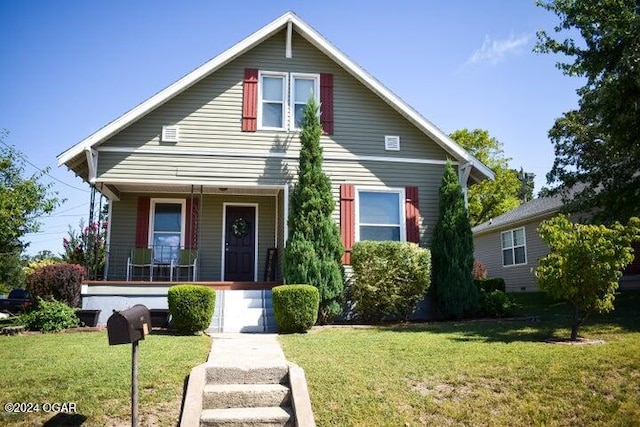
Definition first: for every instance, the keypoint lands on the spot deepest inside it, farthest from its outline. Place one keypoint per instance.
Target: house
(199, 174)
(509, 245)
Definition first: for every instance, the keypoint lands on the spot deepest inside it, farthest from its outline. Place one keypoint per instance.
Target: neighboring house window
(166, 228)
(303, 86)
(380, 215)
(514, 249)
(282, 98)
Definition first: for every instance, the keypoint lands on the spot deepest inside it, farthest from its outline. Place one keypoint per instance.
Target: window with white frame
(283, 97)
(514, 247)
(303, 86)
(166, 229)
(380, 215)
(272, 106)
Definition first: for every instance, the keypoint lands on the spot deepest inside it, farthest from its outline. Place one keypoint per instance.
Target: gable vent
(169, 133)
(392, 143)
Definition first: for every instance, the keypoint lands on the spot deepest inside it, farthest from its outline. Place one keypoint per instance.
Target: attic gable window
(303, 86)
(282, 98)
(272, 93)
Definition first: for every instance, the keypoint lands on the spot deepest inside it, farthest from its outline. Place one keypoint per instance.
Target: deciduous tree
(22, 200)
(585, 264)
(314, 249)
(488, 199)
(597, 144)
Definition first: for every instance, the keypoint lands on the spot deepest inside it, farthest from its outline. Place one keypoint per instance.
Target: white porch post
(463, 177)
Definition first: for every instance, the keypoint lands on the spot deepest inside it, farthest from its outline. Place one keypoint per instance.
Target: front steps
(244, 311)
(247, 382)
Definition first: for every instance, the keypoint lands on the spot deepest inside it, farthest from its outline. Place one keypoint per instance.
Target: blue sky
(69, 68)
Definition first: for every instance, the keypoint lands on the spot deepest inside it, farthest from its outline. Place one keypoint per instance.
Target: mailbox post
(130, 326)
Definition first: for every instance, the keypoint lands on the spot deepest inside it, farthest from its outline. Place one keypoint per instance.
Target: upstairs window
(282, 98)
(303, 86)
(514, 248)
(272, 100)
(380, 215)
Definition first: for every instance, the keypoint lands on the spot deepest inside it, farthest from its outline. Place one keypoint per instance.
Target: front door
(239, 243)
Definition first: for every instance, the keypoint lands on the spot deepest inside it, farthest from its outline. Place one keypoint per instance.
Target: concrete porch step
(275, 374)
(218, 396)
(254, 417)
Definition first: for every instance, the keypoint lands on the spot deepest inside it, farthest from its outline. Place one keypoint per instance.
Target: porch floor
(220, 285)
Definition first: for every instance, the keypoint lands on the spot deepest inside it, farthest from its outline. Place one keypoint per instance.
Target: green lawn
(82, 368)
(498, 373)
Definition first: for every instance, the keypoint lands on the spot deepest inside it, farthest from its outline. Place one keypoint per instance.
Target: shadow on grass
(65, 420)
(538, 318)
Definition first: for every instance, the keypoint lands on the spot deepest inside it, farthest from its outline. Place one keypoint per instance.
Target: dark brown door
(239, 257)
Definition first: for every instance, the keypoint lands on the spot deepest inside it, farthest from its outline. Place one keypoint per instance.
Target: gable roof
(528, 211)
(479, 171)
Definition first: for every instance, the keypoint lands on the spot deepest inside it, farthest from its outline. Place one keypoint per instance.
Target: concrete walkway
(247, 382)
(246, 350)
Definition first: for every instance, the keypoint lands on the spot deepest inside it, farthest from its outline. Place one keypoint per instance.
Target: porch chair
(141, 258)
(187, 258)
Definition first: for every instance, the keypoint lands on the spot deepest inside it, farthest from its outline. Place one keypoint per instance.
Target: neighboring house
(200, 173)
(509, 245)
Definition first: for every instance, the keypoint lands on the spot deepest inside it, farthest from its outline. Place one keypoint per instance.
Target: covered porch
(213, 235)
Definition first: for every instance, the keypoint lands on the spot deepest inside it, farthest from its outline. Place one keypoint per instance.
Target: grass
(498, 373)
(82, 368)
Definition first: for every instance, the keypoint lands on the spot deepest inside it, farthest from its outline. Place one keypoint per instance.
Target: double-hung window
(166, 229)
(272, 100)
(303, 86)
(282, 98)
(514, 247)
(380, 215)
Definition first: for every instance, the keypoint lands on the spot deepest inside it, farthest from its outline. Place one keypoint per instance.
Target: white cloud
(494, 51)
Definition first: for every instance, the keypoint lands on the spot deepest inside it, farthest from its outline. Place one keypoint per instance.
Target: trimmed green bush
(50, 316)
(491, 284)
(191, 307)
(389, 279)
(496, 303)
(60, 282)
(295, 307)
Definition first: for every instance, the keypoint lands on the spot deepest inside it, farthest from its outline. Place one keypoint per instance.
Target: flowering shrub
(86, 248)
(479, 270)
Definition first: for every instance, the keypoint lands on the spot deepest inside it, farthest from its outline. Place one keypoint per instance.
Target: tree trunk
(576, 324)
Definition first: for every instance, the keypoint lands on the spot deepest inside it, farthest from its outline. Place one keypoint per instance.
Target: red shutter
(142, 222)
(413, 214)
(191, 232)
(250, 100)
(326, 103)
(347, 219)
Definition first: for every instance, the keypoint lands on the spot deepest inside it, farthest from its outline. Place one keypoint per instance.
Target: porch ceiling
(182, 189)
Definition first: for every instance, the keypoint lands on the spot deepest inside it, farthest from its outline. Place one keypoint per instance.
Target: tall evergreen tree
(314, 249)
(452, 252)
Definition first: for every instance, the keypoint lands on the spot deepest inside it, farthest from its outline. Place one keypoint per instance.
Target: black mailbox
(128, 326)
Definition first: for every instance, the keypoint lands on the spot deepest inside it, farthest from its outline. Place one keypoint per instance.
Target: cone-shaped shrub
(191, 307)
(295, 307)
(452, 252)
(314, 250)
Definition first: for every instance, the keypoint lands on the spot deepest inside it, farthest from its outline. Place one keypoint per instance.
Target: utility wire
(26, 159)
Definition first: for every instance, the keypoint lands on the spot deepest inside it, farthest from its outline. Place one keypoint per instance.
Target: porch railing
(155, 263)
